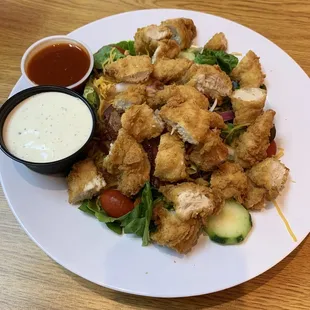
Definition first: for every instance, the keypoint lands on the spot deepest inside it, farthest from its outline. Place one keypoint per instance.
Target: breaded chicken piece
(128, 160)
(171, 70)
(131, 69)
(217, 43)
(255, 197)
(251, 146)
(187, 118)
(248, 104)
(216, 120)
(183, 30)
(231, 181)
(84, 181)
(186, 92)
(147, 38)
(192, 200)
(174, 233)
(142, 123)
(132, 95)
(271, 175)
(210, 154)
(170, 160)
(248, 72)
(210, 80)
(166, 49)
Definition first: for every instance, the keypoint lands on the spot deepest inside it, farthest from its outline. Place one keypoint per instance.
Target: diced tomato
(114, 203)
(272, 149)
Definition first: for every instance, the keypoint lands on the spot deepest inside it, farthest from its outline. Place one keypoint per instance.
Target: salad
(183, 145)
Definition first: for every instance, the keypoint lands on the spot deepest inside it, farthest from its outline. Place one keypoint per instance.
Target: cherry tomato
(272, 149)
(114, 203)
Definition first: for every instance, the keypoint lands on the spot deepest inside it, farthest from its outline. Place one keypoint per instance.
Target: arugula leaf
(103, 217)
(127, 46)
(102, 57)
(209, 57)
(91, 95)
(84, 207)
(116, 227)
(147, 199)
(232, 132)
(136, 221)
(93, 205)
(136, 226)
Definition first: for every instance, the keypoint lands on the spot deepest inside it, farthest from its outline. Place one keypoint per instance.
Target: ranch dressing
(47, 127)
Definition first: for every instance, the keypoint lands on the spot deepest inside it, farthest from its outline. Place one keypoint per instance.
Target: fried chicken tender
(249, 72)
(131, 69)
(187, 118)
(251, 146)
(217, 43)
(174, 233)
(209, 80)
(170, 160)
(166, 49)
(183, 30)
(133, 95)
(128, 160)
(248, 104)
(142, 123)
(187, 92)
(255, 197)
(192, 200)
(271, 175)
(231, 181)
(84, 181)
(211, 153)
(171, 70)
(147, 38)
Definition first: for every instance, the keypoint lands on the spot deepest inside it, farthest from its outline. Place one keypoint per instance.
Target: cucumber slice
(231, 226)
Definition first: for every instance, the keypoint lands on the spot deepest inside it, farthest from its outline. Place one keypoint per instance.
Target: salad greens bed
(136, 221)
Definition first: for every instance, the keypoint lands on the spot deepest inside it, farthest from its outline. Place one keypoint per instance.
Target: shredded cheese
(104, 87)
(236, 54)
(280, 153)
(288, 227)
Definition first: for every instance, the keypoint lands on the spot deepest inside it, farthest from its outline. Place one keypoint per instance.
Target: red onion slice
(227, 115)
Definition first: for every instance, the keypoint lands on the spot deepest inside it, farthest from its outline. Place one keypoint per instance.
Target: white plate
(87, 248)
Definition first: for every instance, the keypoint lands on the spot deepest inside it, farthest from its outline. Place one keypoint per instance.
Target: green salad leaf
(103, 56)
(205, 58)
(136, 221)
(226, 61)
(84, 207)
(127, 46)
(232, 132)
(116, 227)
(91, 95)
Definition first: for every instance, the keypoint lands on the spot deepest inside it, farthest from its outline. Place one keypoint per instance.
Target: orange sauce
(60, 64)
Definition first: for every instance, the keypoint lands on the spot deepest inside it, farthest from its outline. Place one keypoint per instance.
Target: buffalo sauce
(60, 64)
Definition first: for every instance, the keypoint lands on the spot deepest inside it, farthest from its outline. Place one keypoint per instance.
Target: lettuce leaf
(127, 46)
(227, 62)
(136, 221)
(91, 95)
(104, 54)
(232, 132)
